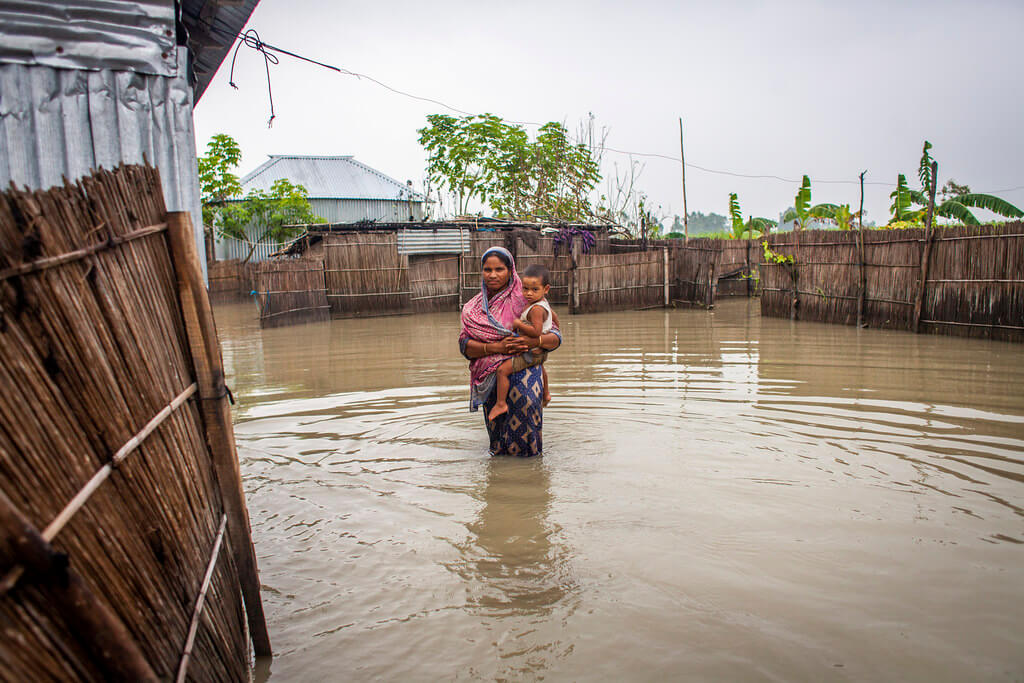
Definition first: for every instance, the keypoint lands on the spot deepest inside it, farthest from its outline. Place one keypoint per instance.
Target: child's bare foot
(497, 411)
(547, 399)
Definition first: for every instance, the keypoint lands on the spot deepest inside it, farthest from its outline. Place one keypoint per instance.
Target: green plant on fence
(775, 257)
(749, 229)
(911, 206)
(802, 213)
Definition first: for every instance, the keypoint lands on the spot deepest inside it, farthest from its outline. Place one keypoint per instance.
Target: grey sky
(785, 88)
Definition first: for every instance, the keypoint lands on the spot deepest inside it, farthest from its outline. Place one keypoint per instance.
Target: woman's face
(496, 274)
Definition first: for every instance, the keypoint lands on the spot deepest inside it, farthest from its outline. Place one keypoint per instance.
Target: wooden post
(927, 251)
(220, 436)
(462, 257)
(860, 257)
(107, 640)
(574, 289)
(665, 255)
(710, 299)
(682, 166)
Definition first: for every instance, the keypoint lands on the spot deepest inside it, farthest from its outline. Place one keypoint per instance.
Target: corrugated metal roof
(329, 177)
(85, 34)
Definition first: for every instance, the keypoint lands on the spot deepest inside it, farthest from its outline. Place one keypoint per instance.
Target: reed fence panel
(291, 291)
(231, 281)
(435, 282)
(103, 446)
(366, 275)
(608, 282)
(974, 287)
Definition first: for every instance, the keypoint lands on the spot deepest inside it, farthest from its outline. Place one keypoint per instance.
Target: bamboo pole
(90, 619)
(682, 166)
(209, 367)
(574, 289)
(665, 254)
(927, 251)
(860, 257)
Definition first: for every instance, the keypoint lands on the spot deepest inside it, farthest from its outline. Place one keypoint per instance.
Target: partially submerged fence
(125, 551)
(965, 281)
(972, 288)
(231, 280)
(291, 292)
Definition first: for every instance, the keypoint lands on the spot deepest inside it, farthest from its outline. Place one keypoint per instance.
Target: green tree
(482, 157)
(956, 204)
(217, 182)
(273, 215)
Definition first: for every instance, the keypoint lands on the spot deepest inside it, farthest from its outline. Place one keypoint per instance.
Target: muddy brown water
(721, 496)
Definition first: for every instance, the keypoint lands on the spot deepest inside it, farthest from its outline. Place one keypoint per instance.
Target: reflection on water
(723, 496)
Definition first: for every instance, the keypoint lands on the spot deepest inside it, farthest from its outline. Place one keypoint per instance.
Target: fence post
(927, 252)
(665, 254)
(860, 257)
(574, 290)
(462, 257)
(220, 436)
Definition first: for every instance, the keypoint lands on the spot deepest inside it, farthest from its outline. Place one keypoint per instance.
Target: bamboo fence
(608, 282)
(964, 281)
(291, 291)
(118, 490)
(231, 280)
(366, 275)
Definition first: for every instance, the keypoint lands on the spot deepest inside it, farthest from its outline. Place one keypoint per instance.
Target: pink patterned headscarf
(488, 318)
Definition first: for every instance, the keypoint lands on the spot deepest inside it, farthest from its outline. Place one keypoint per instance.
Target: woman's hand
(513, 344)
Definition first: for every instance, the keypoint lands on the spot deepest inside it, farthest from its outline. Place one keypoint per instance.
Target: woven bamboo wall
(609, 282)
(366, 275)
(974, 286)
(231, 281)
(434, 279)
(94, 349)
(291, 291)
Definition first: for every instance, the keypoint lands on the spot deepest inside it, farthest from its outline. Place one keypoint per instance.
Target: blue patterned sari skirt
(518, 432)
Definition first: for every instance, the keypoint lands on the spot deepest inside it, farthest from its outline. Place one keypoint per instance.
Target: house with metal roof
(340, 190)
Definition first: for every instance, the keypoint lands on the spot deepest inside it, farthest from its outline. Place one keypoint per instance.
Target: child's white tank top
(543, 303)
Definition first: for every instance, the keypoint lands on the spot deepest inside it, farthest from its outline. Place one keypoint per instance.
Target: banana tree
(802, 213)
(752, 227)
(958, 207)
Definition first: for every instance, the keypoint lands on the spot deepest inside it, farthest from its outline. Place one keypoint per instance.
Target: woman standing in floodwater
(487, 340)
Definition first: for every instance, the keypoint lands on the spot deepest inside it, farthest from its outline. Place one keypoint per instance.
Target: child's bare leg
(501, 391)
(547, 393)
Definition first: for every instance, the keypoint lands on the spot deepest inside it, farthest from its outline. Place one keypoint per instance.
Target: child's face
(534, 290)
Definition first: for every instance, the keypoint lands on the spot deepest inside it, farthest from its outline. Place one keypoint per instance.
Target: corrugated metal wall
(57, 123)
(436, 241)
(353, 210)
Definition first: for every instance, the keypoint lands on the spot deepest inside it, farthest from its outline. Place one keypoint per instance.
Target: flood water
(721, 496)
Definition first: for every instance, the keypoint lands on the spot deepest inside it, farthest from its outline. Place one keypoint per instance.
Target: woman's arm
(507, 346)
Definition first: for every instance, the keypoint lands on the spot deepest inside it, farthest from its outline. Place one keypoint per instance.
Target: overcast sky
(771, 88)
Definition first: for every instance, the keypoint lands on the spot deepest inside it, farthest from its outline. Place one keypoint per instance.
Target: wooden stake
(574, 288)
(664, 251)
(90, 619)
(860, 256)
(682, 165)
(927, 252)
(220, 436)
